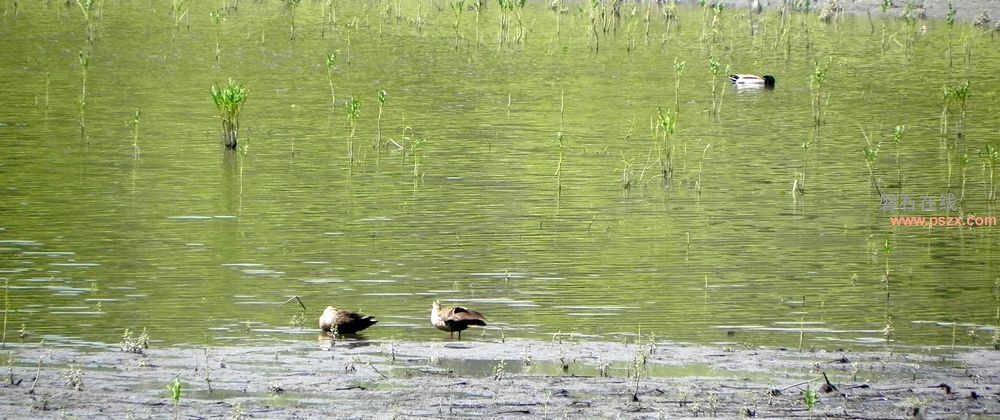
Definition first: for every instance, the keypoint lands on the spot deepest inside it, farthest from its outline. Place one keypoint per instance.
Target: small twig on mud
(297, 299)
(37, 373)
(369, 364)
(798, 384)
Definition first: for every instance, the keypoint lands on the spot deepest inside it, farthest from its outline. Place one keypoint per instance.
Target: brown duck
(344, 322)
(454, 318)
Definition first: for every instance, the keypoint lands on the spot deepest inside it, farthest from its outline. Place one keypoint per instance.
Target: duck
(752, 81)
(455, 318)
(334, 321)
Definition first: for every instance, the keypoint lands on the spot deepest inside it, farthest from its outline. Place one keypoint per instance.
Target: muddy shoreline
(385, 379)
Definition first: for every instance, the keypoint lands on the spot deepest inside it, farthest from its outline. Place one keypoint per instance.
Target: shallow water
(199, 244)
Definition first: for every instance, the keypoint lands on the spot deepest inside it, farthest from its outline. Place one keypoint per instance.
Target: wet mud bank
(384, 379)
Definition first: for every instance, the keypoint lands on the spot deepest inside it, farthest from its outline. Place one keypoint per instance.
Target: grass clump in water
(229, 99)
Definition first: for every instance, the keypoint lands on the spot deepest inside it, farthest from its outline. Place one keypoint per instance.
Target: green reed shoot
(218, 16)
(459, 7)
(637, 369)
(701, 166)
(331, 64)
(175, 395)
(81, 102)
(816, 80)
(351, 27)
(809, 398)
(666, 123)
(888, 331)
(180, 10)
(507, 9)
(133, 127)
(886, 251)
(897, 137)
(558, 8)
(911, 15)
(799, 184)
(871, 157)
(963, 165)
(562, 108)
(991, 159)
(886, 4)
(954, 97)
(627, 173)
(713, 67)
(331, 5)
(415, 144)
(594, 36)
(292, 6)
(353, 113)
(561, 143)
(478, 7)
(381, 97)
(89, 14)
(229, 100)
(678, 72)
(950, 19)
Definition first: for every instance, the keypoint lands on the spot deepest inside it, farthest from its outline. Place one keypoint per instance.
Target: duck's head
(768, 81)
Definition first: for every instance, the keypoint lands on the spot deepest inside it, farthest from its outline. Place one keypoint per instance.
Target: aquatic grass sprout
(292, 5)
(458, 6)
(871, 157)
(90, 14)
(331, 64)
(180, 10)
(665, 126)
(81, 103)
(950, 19)
(508, 8)
(133, 127)
(816, 80)
(991, 159)
(74, 378)
(955, 97)
(132, 344)
(678, 72)
(229, 99)
(175, 395)
(809, 398)
(897, 137)
(353, 113)
(218, 16)
(713, 67)
(381, 96)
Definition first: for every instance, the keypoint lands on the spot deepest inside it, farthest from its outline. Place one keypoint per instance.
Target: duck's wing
(462, 314)
(740, 79)
(345, 316)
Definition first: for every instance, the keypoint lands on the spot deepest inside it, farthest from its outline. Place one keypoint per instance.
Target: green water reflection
(195, 243)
